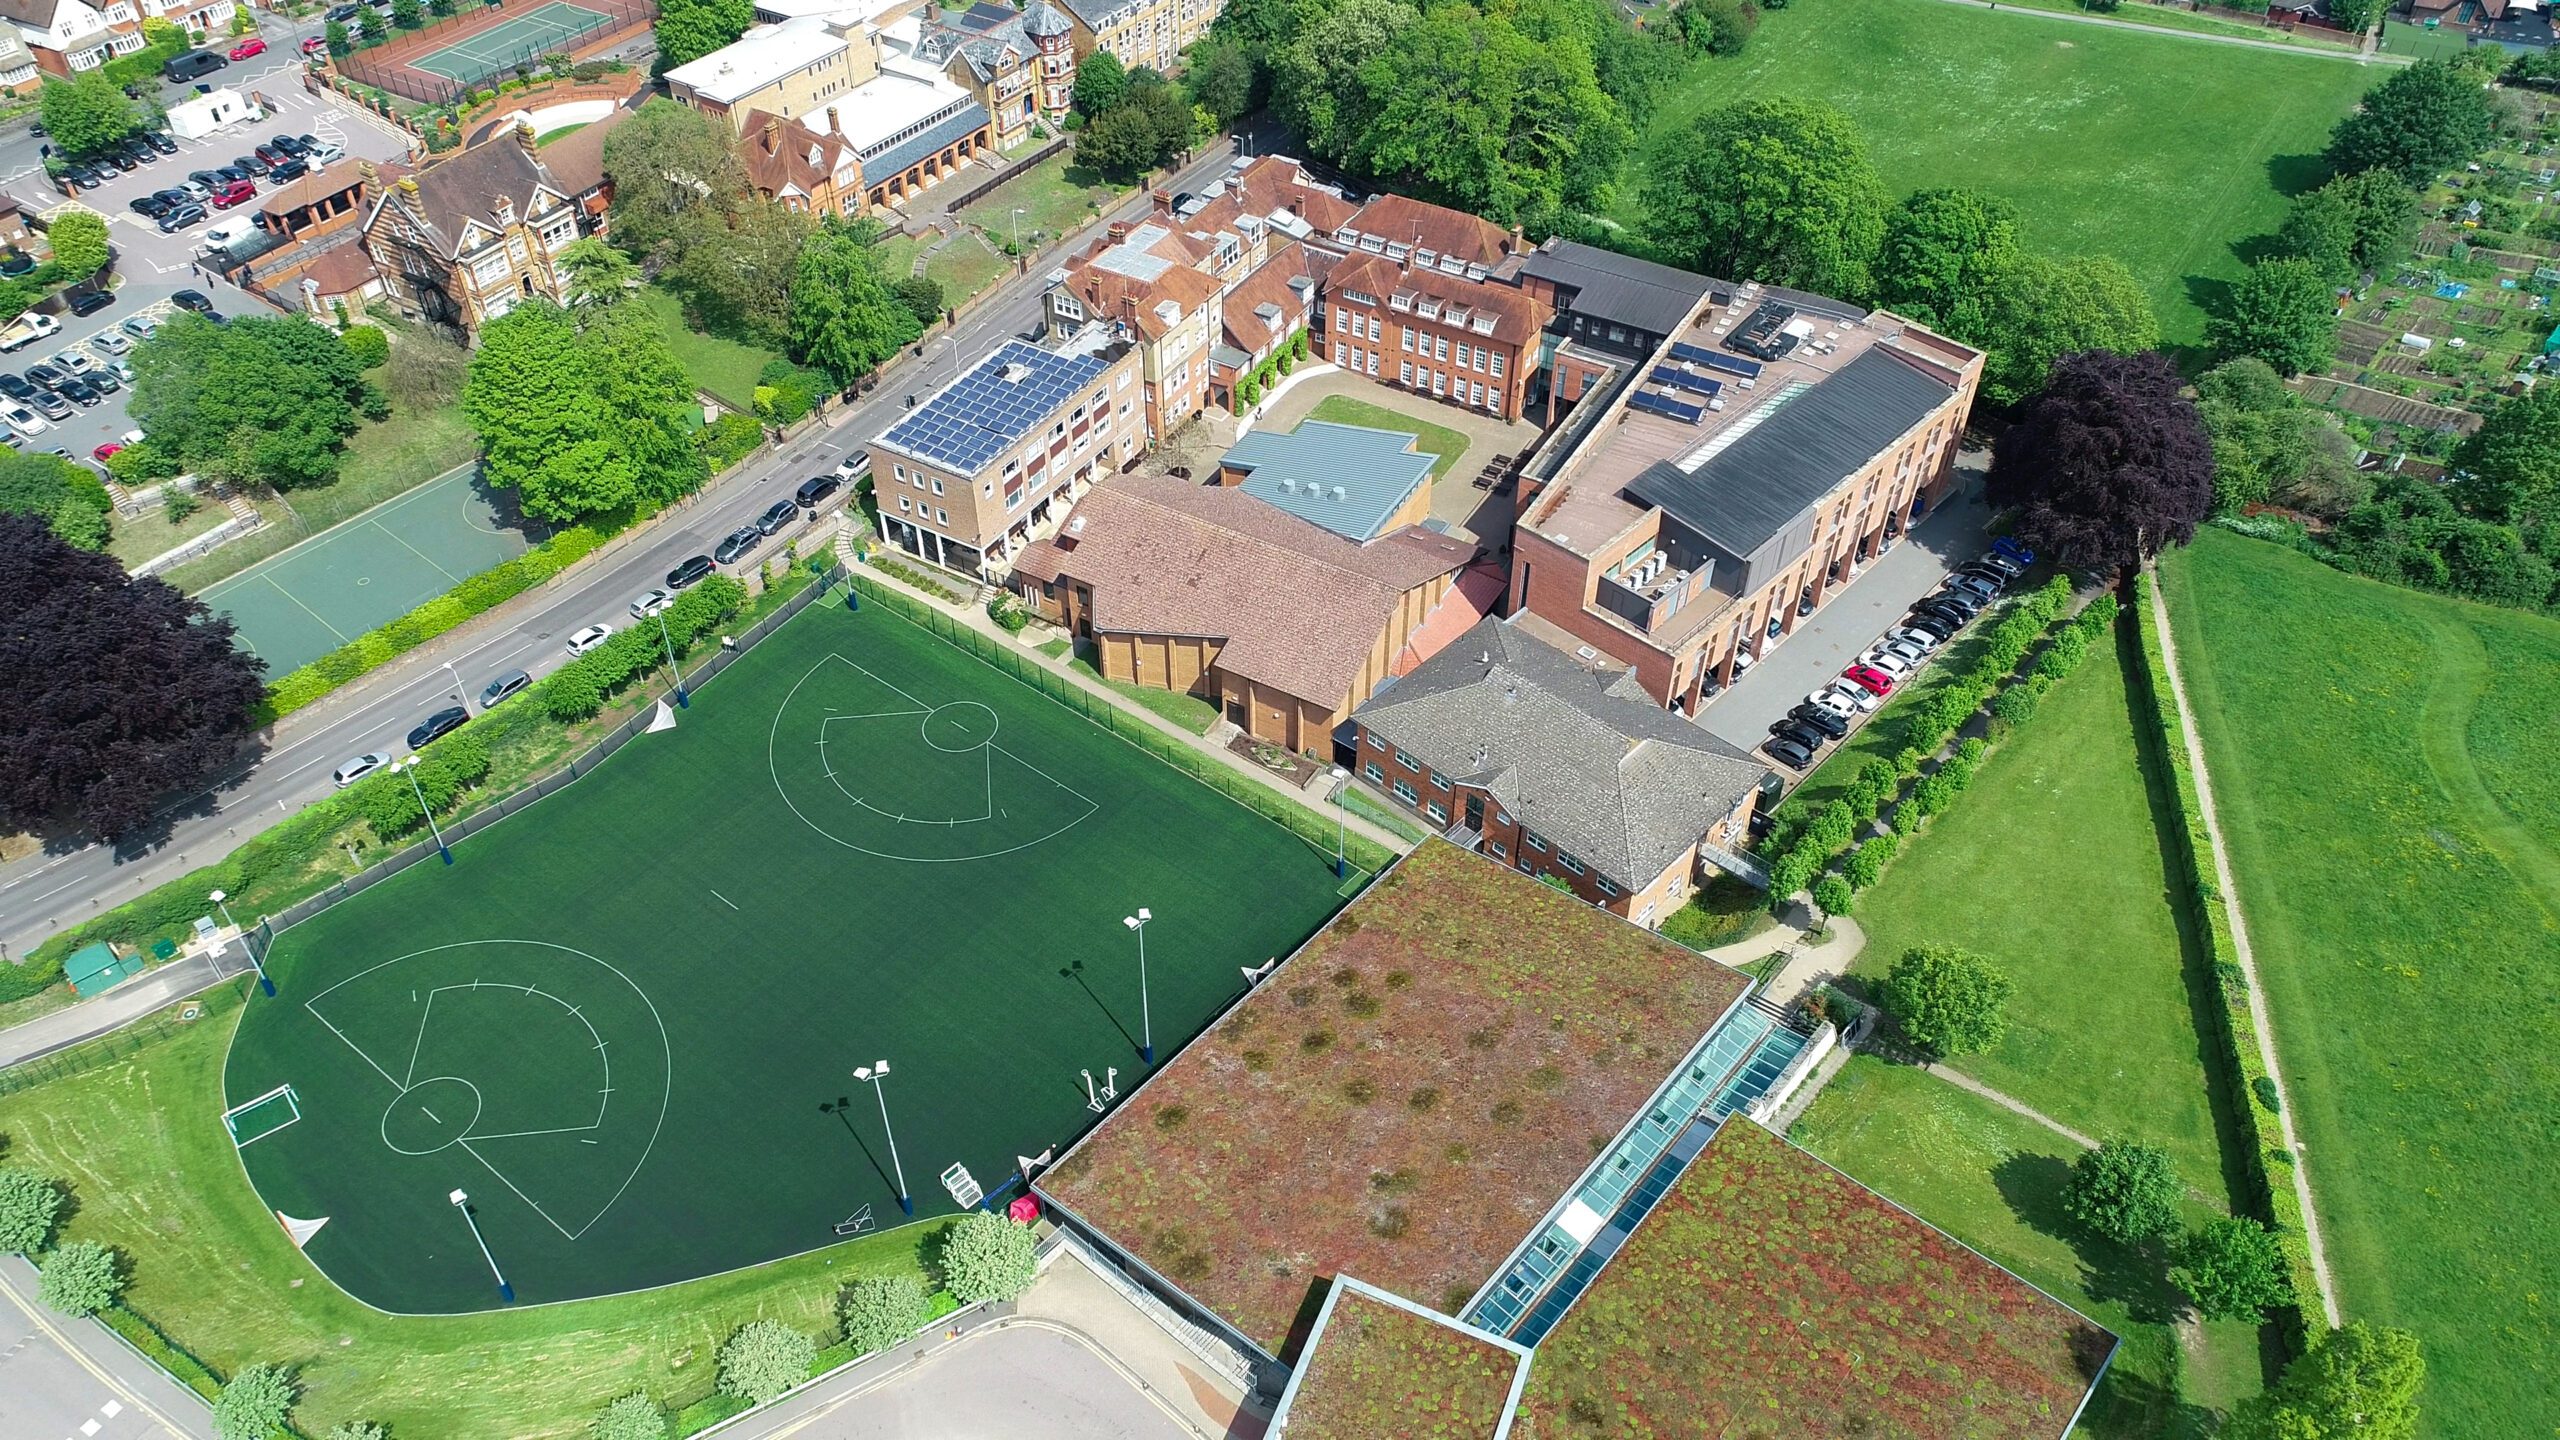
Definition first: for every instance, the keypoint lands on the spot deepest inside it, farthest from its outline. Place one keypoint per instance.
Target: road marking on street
(81, 1358)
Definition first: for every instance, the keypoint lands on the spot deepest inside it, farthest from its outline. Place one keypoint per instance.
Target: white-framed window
(1407, 761)
(1497, 850)
(1340, 351)
(1534, 841)
(1435, 779)
(1376, 775)
(1440, 348)
(1375, 743)
(1405, 375)
(1407, 337)
(937, 487)
(901, 469)
(1608, 889)
(1404, 792)
(941, 516)
(1565, 859)
(1374, 332)
(903, 502)
(1496, 371)
(1437, 811)
(1373, 363)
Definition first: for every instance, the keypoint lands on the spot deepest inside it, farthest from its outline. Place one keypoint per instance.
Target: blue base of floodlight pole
(506, 1292)
(681, 702)
(906, 1204)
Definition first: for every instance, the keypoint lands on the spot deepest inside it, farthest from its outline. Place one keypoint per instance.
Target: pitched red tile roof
(1249, 331)
(1403, 220)
(1517, 315)
(1118, 295)
(784, 154)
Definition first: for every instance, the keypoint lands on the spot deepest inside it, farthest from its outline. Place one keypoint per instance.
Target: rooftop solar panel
(1682, 379)
(975, 418)
(1664, 405)
(1683, 350)
(1732, 365)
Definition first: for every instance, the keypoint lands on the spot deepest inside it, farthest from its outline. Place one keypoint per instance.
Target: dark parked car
(192, 300)
(251, 166)
(689, 572)
(181, 217)
(740, 541)
(193, 66)
(1787, 752)
(1835, 726)
(443, 722)
(14, 263)
(115, 157)
(210, 180)
(150, 207)
(292, 167)
(776, 515)
(90, 302)
(1945, 617)
(1801, 732)
(813, 491)
(14, 385)
(289, 144)
(342, 13)
(104, 379)
(47, 374)
(160, 142)
(79, 391)
(504, 686)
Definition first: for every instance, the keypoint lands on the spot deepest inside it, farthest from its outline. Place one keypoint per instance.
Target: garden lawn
(2051, 864)
(136, 538)
(726, 368)
(1055, 196)
(965, 267)
(1993, 1180)
(2160, 151)
(141, 1142)
(2382, 762)
(1438, 440)
(1188, 711)
(2163, 17)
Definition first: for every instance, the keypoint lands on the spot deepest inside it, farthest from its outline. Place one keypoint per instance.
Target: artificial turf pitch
(625, 1021)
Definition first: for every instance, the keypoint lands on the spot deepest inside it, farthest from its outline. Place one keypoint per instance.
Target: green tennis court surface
(625, 1022)
(373, 569)
(533, 33)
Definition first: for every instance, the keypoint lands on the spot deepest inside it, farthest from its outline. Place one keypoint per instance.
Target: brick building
(1143, 34)
(1413, 325)
(1141, 282)
(469, 238)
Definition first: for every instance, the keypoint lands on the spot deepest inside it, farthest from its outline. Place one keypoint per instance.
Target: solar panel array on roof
(1664, 405)
(1715, 360)
(1682, 379)
(982, 412)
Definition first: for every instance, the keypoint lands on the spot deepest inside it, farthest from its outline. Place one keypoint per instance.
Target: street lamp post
(672, 672)
(1017, 229)
(1341, 844)
(265, 985)
(875, 1074)
(409, 767)
(457, 679)
(462, 1203)
(1146, 1019)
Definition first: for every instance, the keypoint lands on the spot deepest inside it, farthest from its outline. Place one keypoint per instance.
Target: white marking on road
(112, 1409)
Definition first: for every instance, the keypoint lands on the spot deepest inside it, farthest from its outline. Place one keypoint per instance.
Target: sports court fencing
(118, 1045)
(390, 65)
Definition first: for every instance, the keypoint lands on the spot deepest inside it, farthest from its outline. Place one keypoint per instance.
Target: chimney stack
(772, 133)
(524, 137)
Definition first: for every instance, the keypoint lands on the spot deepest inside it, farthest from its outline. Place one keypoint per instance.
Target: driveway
(1020, 1382)
(1825, 642)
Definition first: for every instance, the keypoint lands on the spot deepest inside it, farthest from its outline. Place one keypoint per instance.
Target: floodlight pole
(409, 767)
(672, 672)
(1146, 1017)
(265, 985)
(1341, 845)
(462, 1203)
(876, 1074)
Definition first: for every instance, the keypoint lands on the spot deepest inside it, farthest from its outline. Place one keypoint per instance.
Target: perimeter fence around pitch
(392, 66)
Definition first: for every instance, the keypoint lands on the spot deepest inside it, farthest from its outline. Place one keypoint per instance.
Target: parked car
(159, 140)
(230, 232)
(1868, 677)
(1801, 732)
(1961, 599)
(110, 342)
(151, 206)
(1823, 718)
(775, 516)
(315, 45)
(1792, 754)
(1833, 701)
(192, 300)
(1998, 580)
(22, 420)
(739, 542)
(589, 638)
(341, 14)
(1974, 585)
(105, 451)
(90, 302)
(502, 687)
(324, 152)
(290, 168)
(1885, 660)
(80, 392)
(53, 406)
(106, 379)
(140, 327)
(201, 183)
(443, 722)
(14, 385)
(181, 217)
(358, 768)
(2000, 564)
(193, 66)
(114, 157)
(651, 601)
(269, 156)
(1856, 697)
(252, 45)
(75, 360)
(2014, 550)
(689, 573)
(47, 374)
(1919, 637)
(252, 166)
(811, 492)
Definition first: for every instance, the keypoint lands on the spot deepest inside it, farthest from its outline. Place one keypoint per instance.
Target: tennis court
(307, 601)
(625, 1022)
(534, 33)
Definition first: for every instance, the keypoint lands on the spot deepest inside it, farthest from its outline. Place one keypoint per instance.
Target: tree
(734, 265)
(880, 1311)
(2043, 309)
(2125, 1190)
(122, 691)
(1945, 253)
(2353, 224)
(1121, 144)
(63, 495)
(1950, 1001)
(665, 161)
(1716, 27)
(987, 1257)
(279, 393)
(366, 345)
(79, 240)
(2421, 119)
(371, 25)
(1101, 83)
(594, 273)
(1833, 896)
(340, 43)
(690, 29)
(922, 295)
(2233, 1269)
(2285, 312)
(87, 113)
(1316, 72)
(633, 1417)
(648, 400)
(255, 1404)
(844, 320)
(2509, 468)
(2354, 16)
(764, 1359)
(81, 1278)
(407, 14)
(358, 1430)
(1219, 77)
(2357, 1383)
(581, 419)
(1777, 190)
(2109, 465)
(2269, 445)
(30, 1206)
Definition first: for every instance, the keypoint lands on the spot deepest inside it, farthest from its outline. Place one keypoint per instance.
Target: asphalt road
(45, 892)
(68, 1378)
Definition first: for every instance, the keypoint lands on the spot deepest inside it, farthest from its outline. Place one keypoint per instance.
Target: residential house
(1559, 764)
(991, 462)
(1148, 34)
(19, 72)
(812, 171)
(1021, 65)
(464, 241)
(1140, 281)
(1258, 206)
(67, 37)
(1282, 624)
(576, 163)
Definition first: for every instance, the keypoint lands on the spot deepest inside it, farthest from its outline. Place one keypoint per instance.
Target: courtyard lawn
(1438, 440)
(2163, 152)
(965, 267)
(726, 368)
(2051, 864)
(1993, 1180)
(141, 1144)
(2382, 760)
(1188, 711)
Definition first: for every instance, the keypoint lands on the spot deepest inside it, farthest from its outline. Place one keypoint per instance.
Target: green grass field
(625, 1022)
(1054, 196)
(2383, 761)
(2163, 152)
(727, 368)
(1993, 1180)
(2051, 864)
(1438, 440)
(153, 1173)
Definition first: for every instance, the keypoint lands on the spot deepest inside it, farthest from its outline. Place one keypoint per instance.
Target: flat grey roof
(1619, 288)
(1350, 479)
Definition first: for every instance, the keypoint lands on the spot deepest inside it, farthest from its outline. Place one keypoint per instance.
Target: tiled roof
(1299, 607)
(1128, 280)
(1266, 304)
(469, 186)
(779, 154)
(970, 119)
(1403, 220)
(1517, 316)
(1350, 479)
(341, 270)
(1041, 21)
(37, 14)
(576, 160)
(1579, 754)
(1270, 185)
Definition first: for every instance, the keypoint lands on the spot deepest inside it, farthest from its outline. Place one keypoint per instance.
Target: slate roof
(1041, 21)
(889, 162)
(1757, 486)
(1582, 756)
(1618, 288)
(1298, 607)
(1301, 471)
(467, 187)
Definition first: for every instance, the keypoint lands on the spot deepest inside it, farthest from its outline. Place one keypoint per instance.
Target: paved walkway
(2258, 1015)
(2322, 51)
(119, 1007)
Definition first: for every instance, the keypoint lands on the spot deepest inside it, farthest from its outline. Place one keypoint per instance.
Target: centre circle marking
(959, 727)
(431, 1115)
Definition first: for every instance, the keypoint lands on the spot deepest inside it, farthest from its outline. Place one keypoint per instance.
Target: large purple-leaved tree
(2109, 464)
(117, 691)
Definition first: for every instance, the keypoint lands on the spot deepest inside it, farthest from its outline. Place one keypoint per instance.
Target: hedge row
(478, 594)
(580, 688)
(2270, 1164)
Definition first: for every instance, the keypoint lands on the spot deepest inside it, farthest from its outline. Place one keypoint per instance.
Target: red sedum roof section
(1771, 1291)
(1403, 1101)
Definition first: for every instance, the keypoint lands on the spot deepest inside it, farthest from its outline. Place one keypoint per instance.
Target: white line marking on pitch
(723, 899)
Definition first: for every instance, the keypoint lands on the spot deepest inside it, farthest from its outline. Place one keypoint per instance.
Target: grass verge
(726, 368)
(1188, 711)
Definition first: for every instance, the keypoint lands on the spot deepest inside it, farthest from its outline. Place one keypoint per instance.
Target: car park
(238, 192)
(23, 420)
(80, 392)
(811, 492)
(1821, 717)
(739, 542)
(159, 140)
(651, 601)
(1869, 678)
(589, 638)
(1790, 753)
(115, 158)
(1857, 697)
(502, 687)
(1920, 638)
(1886, 661)
(358, 768)
(140, 327)
(775, 516)
(443, 722)
(269, 156)
(180, 218)
(689, 572)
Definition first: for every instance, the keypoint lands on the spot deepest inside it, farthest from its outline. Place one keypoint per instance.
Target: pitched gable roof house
(462, 242)
(1210, 591)
(1258, 206)
(1141, 281)
(1276, 301)
(1402, 227)
(813, 171)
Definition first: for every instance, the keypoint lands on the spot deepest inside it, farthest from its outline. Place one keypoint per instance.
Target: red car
(102, 452)
(1869, 679)
(317, 44)
(246, 48)
(237, 192)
